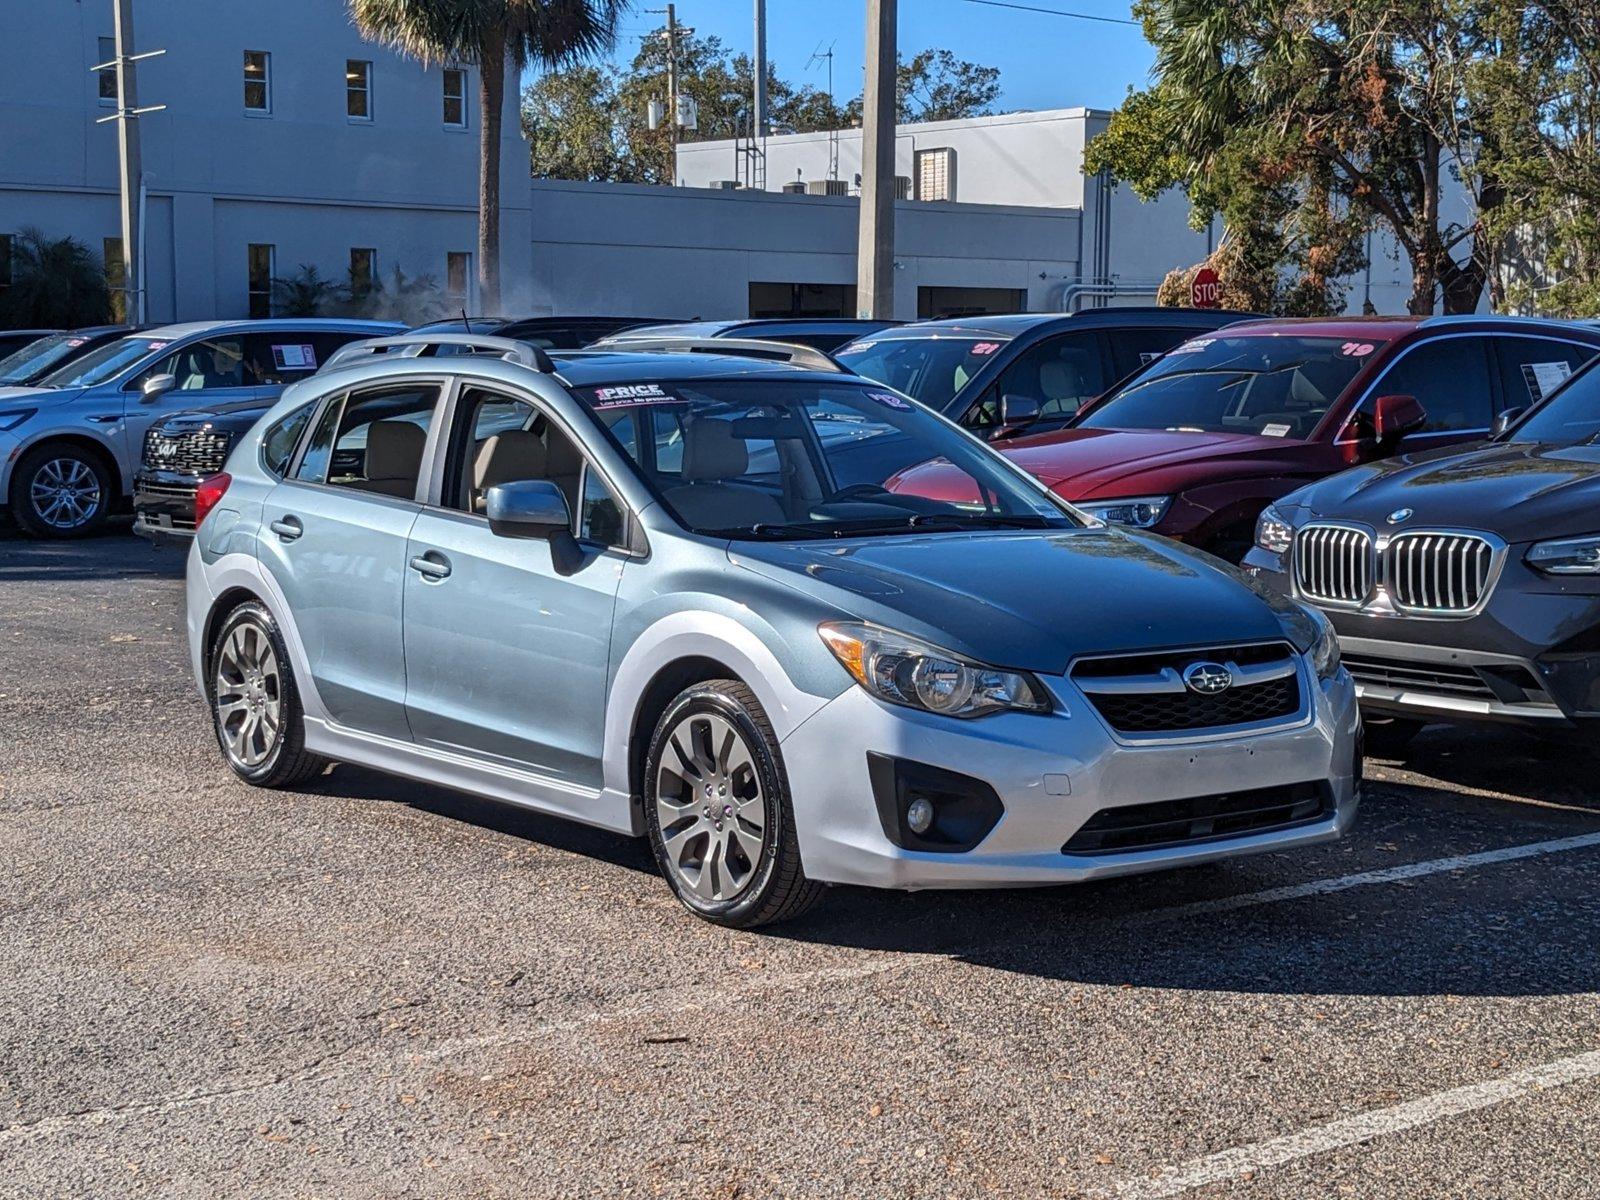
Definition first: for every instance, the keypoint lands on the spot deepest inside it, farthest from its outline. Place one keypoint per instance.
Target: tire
(249, 678)
(745, 876)
(1389, 736)
(61, 491)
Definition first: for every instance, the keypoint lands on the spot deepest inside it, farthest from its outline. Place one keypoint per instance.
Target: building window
(937, 303)
(358, 89)
(108, 75)
(363, 269)
(455, 98)
(457, 275)
(260, 289)
(257, 81)
(116, 280)
(5, 261)
(936, 174)
(802, 299)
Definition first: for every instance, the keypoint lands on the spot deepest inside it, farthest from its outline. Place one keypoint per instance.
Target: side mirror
(1506, 420)
(1017, 413)
(158, 385)
(1395, 416)
(528, 508)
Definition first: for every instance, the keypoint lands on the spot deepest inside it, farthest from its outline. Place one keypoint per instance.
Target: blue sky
(1045, 61)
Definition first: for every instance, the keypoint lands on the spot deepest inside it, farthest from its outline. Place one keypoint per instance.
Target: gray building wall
(305, 178)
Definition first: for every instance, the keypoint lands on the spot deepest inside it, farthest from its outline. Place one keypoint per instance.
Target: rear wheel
(255, 707)
(1388, 737)
(61, 491)
(718, 811)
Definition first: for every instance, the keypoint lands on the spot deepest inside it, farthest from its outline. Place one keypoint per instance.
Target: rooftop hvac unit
(797, 188)
(902, 187)
(724, 185)
(827, 187)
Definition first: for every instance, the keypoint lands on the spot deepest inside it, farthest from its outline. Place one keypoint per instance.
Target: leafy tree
(935, 85)
(1339, 114)
(489, 34)
(306, 293)
(55, 283)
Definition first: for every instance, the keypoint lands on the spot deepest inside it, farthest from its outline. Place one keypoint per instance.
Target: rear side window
(1132, 349)
(284, 356)
(1450, 378)
(277, 446)
(1532, 368)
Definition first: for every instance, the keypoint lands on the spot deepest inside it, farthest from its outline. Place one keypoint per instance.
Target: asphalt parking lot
(376, 988)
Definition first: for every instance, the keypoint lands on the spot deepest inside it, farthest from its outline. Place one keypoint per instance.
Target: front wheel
(61, 491)
(255, 707)
(718, 811)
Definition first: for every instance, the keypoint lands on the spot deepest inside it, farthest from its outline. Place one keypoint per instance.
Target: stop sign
(1206, 290)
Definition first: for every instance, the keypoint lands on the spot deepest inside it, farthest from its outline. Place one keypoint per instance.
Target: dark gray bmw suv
(1464, 584)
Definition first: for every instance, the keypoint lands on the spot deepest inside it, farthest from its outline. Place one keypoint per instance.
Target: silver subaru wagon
(686, 596)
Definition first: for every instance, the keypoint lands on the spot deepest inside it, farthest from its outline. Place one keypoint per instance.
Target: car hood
(36, 397)
(1031, 600)
(1520, 491)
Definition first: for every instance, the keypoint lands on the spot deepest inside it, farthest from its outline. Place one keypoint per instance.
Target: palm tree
(489, 34)
(55, 283)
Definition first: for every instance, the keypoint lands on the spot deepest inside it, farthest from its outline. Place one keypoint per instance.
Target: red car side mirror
(1395, 416)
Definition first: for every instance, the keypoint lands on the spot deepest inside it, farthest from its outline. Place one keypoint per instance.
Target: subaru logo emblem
(1207, 678)
(1398, 515)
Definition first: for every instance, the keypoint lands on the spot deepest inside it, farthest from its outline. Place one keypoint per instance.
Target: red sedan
(1198, 443)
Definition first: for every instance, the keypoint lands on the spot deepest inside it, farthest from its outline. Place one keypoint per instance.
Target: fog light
(919, 816)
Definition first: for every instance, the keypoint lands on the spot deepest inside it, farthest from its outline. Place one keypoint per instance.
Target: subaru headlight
(906, 670)
(10, 419)
(1273, 532)
(1141, 512)
(1566, 556)
(1324, 651)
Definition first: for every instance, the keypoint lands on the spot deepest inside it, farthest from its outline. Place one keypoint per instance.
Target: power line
(1054, 12)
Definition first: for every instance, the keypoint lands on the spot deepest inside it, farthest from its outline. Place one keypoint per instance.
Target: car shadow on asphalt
(114, 553)
(1559, 769)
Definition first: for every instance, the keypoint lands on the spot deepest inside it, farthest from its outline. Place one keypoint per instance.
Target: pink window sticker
(76, 341)
(1357, 349)
(984, 347)
(157, 345)
(890, 400)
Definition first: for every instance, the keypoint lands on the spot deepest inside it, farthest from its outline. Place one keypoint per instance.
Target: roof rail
(785, 352)
(420, 345)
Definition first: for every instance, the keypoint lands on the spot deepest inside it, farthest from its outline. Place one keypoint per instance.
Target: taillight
(211, 489)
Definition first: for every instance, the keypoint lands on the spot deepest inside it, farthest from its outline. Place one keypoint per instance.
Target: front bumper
(1052, 774)
(163, 505)
(1530, 656)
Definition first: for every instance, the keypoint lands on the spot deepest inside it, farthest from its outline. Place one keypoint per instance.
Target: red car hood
(1084, 464)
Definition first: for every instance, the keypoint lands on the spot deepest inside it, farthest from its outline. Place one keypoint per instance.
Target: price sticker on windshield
(1357, 349)
(627, 394)
(982, 348)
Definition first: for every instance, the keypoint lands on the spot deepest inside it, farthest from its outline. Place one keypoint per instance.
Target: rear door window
(285, 356)
(1532, 368)
(1132, 349)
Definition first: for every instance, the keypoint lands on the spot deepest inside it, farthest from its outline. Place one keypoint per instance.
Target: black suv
(1001, 375)
(1464, 584)
(548, 333)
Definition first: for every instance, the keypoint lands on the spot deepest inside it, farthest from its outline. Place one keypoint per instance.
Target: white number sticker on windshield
(890, 400)
(1194, 344)
(1274, 431)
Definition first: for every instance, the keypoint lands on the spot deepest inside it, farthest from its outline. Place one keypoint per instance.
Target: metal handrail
(417, 345)
(786, 352)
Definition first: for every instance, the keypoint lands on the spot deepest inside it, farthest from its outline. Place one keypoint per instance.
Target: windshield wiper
(990, 520)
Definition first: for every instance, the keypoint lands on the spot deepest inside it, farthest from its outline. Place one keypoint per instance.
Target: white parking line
(1276, 1152)
(1416, 870)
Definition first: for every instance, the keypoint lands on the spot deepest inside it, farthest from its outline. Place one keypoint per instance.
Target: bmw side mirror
(535, 508)
(1506, 420)
(158, 385)
(1017, 413)
(1395, 416)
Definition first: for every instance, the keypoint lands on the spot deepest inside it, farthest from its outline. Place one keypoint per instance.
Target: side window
(373, 442)
(501, 439)
(1532, 368)
(286, 357)
(1059, 374)
(601, 518)
(212, 363)
(1450, 379)
(278, 443)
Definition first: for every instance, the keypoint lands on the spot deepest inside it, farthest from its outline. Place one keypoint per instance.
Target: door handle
(287, 528)
(431, 565)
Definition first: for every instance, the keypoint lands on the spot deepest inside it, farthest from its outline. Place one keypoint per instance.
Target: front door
(506, 657)
(335, 541)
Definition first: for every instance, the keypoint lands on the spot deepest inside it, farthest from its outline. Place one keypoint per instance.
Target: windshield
(36, 358)
(1271, 385)
(806, 459)
(930, 369)
(1569, 415)
(104, 363)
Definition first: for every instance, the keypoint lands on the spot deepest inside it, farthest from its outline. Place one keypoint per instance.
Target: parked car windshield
(1570, 415)
(805, 459)
(1272, 385)
(37, 357)
(104, 363)
(931, 369)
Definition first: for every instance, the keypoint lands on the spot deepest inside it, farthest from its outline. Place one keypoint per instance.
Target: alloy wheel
(249, 696)
(710, 807)
(65, 493)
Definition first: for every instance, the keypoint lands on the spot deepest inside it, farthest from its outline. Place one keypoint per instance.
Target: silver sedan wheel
(65, 492)
(249, 696)
(710, 807)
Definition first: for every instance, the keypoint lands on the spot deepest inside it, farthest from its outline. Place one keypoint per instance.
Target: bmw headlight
(1567, 556)
(1141, 512)
(1273, 532)
(906, 670)
(1324, 651)
(11, 418)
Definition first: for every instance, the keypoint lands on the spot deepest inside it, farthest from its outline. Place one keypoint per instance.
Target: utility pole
(132, 172)
(760, 123)
(672, 83)
(875, 245)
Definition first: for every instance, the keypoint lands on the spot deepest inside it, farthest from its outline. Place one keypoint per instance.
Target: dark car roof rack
(784, 352)
(421, 345)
